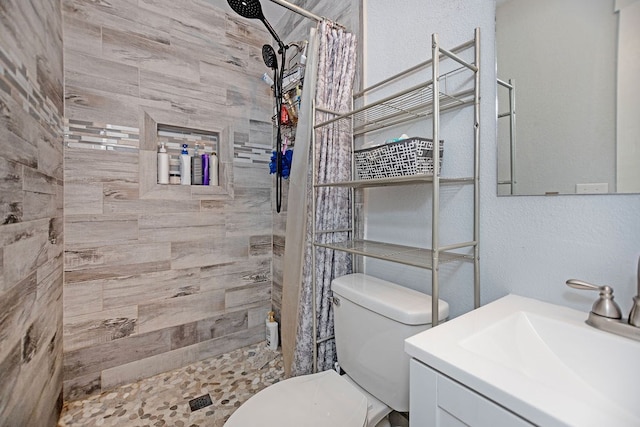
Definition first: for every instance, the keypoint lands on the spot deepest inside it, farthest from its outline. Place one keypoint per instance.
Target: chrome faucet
(605, 313)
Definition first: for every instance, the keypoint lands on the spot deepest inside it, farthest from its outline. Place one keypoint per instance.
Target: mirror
(573, 124)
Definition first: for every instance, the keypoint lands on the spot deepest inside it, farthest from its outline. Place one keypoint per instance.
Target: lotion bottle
(185, 166)
(272, 331)
(163, 165)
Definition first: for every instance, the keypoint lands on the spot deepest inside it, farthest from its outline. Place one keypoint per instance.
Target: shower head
(269, 57)
(250, 9)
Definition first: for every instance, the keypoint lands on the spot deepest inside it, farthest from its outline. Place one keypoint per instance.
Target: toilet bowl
(316, 400)
(373, 317)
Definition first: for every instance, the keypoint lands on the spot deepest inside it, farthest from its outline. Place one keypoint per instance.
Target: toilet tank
(372, 319)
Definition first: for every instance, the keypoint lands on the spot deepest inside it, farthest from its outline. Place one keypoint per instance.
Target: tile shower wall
(31, 229)
(157, 279)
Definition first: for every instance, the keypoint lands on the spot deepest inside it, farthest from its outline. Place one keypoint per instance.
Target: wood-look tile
(141, 288)
(146, 53)
(260, 245)
(161, 314)
(202, 253)
(79, 257)
(147, 367)
(81, 35)
(38, 206)
(15, 310)
(94, 328)
(50, 157)
(82, 298)
(218, 346)
(186, 95)
(176, 207)
(184, 335)
(257, 315)
(108, 354)
(221, 325)
(241, 272)
(78, 387)
(23, 257)
(15, 144)
(88, 70)
(82, 165)
(247, 296)
(11, 195)
(101, 229)
(115, 271)
(83, 198)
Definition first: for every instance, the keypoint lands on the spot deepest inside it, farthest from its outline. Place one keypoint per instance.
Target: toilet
(372, 319)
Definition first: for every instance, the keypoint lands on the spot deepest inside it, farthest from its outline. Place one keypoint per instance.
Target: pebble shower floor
(163, 400)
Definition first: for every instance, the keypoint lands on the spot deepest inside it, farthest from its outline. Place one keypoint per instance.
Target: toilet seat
(316, 400)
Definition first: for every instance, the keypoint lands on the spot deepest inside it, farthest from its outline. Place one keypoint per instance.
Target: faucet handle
(604, 306)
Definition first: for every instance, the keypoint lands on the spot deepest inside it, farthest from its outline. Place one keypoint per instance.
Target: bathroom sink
(539, 360)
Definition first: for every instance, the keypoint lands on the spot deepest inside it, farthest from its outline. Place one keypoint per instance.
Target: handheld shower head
(250, 9)
(269, 57)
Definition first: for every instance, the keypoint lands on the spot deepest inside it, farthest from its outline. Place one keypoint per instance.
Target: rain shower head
(250, 9)
(269, 57)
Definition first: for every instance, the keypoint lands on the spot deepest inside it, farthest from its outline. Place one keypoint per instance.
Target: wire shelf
(407, 255)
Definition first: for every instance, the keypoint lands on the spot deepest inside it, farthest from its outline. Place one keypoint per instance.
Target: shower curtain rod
(298, 10)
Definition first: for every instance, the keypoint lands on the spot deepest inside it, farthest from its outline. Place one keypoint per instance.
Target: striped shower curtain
(336, 71)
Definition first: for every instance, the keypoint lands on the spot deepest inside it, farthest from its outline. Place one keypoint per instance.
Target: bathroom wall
(31, 229)
(529, 245)
(157, 277)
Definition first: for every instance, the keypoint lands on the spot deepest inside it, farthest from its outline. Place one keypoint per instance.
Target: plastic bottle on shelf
(272, 331)
(213, 169)
(196, 168)
(185, 166)
(205, 169)
(163, 165)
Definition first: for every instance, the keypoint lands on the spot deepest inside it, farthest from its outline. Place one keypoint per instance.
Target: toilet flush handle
(335, 300)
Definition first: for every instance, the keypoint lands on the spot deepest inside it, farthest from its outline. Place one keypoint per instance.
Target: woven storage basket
(411, 156)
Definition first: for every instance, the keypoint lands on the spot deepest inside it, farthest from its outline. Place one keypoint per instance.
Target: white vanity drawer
(437, 400)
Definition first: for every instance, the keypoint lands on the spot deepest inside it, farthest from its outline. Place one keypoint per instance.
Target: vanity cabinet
(438, 401)
(444, 84)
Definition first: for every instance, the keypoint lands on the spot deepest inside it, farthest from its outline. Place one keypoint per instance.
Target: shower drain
(200, 402)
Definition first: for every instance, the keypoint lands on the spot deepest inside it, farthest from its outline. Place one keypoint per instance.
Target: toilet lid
(316, 400)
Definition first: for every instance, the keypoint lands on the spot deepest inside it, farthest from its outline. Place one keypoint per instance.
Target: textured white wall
(529, 245)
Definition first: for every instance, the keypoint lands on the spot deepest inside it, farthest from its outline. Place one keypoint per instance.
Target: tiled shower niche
(174, 137)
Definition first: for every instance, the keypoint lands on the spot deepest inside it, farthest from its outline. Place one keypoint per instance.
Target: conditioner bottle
(163, 165)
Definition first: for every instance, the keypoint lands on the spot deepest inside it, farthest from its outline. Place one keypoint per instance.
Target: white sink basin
(539, 360)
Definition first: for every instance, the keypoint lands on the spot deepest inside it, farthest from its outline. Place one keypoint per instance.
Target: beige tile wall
(31, 229)
(157, 277)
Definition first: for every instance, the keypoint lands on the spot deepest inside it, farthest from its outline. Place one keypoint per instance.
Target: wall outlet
(595, 188)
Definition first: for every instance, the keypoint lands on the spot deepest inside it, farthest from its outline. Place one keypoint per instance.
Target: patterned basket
(412, 156)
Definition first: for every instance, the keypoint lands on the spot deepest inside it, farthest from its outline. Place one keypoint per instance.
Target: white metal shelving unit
(408, 105)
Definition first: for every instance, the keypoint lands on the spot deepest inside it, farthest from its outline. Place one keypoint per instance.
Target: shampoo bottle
(185, 166)
(205, 169)
(213, 169)
(272, 331)
(163, 165)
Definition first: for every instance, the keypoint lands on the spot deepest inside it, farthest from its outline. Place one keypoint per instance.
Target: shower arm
(273, 33)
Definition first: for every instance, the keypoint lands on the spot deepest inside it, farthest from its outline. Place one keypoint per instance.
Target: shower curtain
(335, 74)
